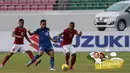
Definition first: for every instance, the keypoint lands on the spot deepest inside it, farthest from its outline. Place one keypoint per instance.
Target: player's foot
(29, 63)
(71, 69)
(67, 63)
(52, 69)
(2, 65)
(38, 62)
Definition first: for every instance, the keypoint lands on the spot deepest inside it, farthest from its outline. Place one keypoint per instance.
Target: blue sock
(36, 57)
(52, 62)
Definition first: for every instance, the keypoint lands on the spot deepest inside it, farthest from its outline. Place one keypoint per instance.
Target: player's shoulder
(16, 28)
(24, 28)
(38, 29)
(75, 30)
(47, 28)
(66, 29)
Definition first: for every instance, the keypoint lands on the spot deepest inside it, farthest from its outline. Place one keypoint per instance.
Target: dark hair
(72, 23)
(43, 20)
(102, 54)
(21, 20)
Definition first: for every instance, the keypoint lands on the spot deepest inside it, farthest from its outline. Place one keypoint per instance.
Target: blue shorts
(46, 49)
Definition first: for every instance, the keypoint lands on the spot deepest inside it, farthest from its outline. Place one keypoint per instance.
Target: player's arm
(60, 35)
(26, 36)
(52, 40)
(14, 35)
(31, 33)
(79, 33)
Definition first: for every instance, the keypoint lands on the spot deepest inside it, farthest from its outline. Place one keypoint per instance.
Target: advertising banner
(89, 41)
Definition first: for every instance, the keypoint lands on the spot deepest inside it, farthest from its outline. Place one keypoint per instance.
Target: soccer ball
(65, 67)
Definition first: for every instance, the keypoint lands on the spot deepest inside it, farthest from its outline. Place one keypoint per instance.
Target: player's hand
(32, 44)
(80, 33)
(54, 41)
(58, 38)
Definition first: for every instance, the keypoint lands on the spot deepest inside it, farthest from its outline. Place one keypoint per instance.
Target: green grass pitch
(17, 63)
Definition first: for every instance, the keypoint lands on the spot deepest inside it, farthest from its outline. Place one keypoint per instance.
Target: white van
(117, 16)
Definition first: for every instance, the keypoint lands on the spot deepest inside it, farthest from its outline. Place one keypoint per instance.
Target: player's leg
(50, 52)
(73, 56)
(73, 60)
(67, 53)
(6, 59)
(67, 56)
(41, 52)
(25, 49)
(14, 49)
(30, 54)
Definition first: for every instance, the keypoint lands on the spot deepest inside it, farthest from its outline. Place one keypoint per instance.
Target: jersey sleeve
(65, 31)
(48, 31)
(15, 29)
(36, 31)
(25, 31)
(75, 32)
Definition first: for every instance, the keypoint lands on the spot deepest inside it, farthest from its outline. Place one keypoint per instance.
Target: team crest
(47, 34)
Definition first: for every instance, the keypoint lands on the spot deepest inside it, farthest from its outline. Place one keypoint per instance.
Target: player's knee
(74, 54)
(10, 54)
(68, 53)
(40, 53)
(29, 52)
(51, 53)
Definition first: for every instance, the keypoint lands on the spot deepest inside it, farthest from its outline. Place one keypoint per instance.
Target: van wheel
(101, 28)
(121, 25)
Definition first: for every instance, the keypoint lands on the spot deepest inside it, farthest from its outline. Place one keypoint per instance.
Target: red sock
(5, 59)
(67, 56)
(31, 56)
(73, 60)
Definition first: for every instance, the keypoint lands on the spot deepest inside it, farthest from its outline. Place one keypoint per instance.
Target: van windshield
(117, 7)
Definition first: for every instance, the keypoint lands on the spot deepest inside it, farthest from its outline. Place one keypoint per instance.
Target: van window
(117, 7)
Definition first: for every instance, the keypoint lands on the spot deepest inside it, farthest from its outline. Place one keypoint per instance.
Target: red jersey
(68, 36)
(20, 32)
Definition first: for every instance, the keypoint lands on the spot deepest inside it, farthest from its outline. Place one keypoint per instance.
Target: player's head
(43, 23)
(71, 25)
(21, 22)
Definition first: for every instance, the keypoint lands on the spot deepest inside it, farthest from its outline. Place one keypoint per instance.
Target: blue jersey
(44, 37)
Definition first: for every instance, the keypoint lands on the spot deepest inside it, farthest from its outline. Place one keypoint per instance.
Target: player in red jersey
(68, 48)
(19, 33)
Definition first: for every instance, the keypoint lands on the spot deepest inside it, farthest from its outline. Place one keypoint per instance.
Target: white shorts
(69, 48)
(16, 47)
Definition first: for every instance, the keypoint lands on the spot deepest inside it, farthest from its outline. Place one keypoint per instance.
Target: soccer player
(44, 44)
(68, 48)
(19, 33)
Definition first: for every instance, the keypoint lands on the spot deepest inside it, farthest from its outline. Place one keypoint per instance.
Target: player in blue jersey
(44, 44)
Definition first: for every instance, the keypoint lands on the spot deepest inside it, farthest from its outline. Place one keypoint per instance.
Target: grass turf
(17, 63)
